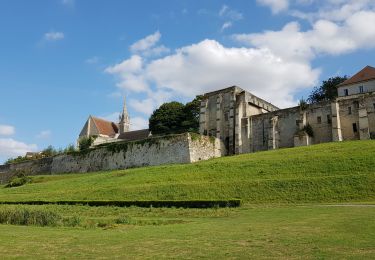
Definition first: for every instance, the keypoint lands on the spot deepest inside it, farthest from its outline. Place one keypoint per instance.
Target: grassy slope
(320, 173)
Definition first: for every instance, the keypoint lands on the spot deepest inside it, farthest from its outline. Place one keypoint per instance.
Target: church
(104, 131)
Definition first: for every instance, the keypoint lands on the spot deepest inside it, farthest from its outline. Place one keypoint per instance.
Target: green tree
(167, 119)
(191, 115)
(85, 143)
(327, 91)
(49, 151)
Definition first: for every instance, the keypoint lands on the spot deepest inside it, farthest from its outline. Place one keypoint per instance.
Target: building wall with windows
(358, 88)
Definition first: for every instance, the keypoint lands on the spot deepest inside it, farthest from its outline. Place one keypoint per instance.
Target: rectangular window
(374, 105)
(298, 122)
(349, 110)
(346, 92)
(356, 104)
(226, 116)
(360, 89)
(329, 121)
(319, 119)
(355, 130)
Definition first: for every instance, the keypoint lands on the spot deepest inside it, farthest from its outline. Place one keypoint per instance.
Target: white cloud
(325, 37)
(53, 36)
(7, 130)
(230, 14)
(226, 25)
(145, 106)
(145, 43)
(45, 134)
(276, 6)
(12, 148)
(137, 123)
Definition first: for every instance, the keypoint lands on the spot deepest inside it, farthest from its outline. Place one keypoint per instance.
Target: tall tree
(174, 117)
(327, 91)
(167, 119)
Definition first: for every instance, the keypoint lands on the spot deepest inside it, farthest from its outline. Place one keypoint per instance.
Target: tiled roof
(135, 135)
(105, 127)
(366, 74)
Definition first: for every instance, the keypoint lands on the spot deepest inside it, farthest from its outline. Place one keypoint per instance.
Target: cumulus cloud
(12, 148)
(7, 130)
(325, 37)
(53, 36)
(276, 6)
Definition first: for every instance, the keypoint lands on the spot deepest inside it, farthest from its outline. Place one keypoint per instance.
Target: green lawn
(252, 232)
(332, 172)
(285, 214)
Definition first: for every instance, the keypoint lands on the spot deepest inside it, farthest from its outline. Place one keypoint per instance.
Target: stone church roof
(105, 127)
(366, 74)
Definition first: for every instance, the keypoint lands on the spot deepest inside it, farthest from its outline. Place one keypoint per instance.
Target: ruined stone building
(245, 123)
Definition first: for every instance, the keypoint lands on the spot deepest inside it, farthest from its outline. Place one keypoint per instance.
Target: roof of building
(105, 127)
(366, 74)
(135, 135)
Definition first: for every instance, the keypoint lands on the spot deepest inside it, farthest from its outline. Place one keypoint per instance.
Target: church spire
(124, 123)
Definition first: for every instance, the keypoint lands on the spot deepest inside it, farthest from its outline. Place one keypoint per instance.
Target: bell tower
(124, 124)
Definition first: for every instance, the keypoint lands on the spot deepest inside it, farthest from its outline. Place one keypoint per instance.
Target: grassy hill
(332, 172)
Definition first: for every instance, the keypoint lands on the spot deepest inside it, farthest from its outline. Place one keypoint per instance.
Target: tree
(49, 151)
(167, 118)
(327, 91)
(191, 115)
(85, 143)
(174, 117)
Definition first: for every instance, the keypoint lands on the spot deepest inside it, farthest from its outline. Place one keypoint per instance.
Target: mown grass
(332, 172)
(251, 232)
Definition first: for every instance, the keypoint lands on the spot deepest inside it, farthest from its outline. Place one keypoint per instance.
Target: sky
(63, 60)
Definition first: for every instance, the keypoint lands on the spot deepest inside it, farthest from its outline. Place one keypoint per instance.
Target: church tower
(124, 124)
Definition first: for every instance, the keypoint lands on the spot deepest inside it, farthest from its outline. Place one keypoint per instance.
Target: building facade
(246, 123)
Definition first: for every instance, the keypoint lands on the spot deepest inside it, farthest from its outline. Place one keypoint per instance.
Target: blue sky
(62, 60)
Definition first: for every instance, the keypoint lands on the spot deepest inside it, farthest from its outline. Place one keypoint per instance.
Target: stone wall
(183, 148)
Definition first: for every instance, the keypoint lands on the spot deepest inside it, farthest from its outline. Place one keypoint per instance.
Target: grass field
(259, 232)
(314, 202)
(329, 172)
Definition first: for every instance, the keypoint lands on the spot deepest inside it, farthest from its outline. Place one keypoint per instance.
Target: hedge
(139, 203)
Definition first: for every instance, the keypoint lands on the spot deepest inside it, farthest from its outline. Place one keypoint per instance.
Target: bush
(20, 178)
(141, 203)
(85, 143)
(26, 217)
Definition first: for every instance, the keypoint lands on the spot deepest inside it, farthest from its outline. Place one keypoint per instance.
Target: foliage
(20, 178)
(69, 149)
(327, 91)
(23, 216)
(174, 118)
(18, 159)
(49, 151)
(303, 104)
(308, 129)
(85, 143)
(141, 203)
(317, 173)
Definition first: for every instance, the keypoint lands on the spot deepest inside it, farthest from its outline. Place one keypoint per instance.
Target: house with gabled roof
(104, 131)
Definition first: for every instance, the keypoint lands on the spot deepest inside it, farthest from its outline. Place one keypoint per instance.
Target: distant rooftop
(366, 74)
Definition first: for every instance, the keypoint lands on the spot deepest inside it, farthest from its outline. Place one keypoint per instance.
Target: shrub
(85, 143)
(20, 178)
(26, 217)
